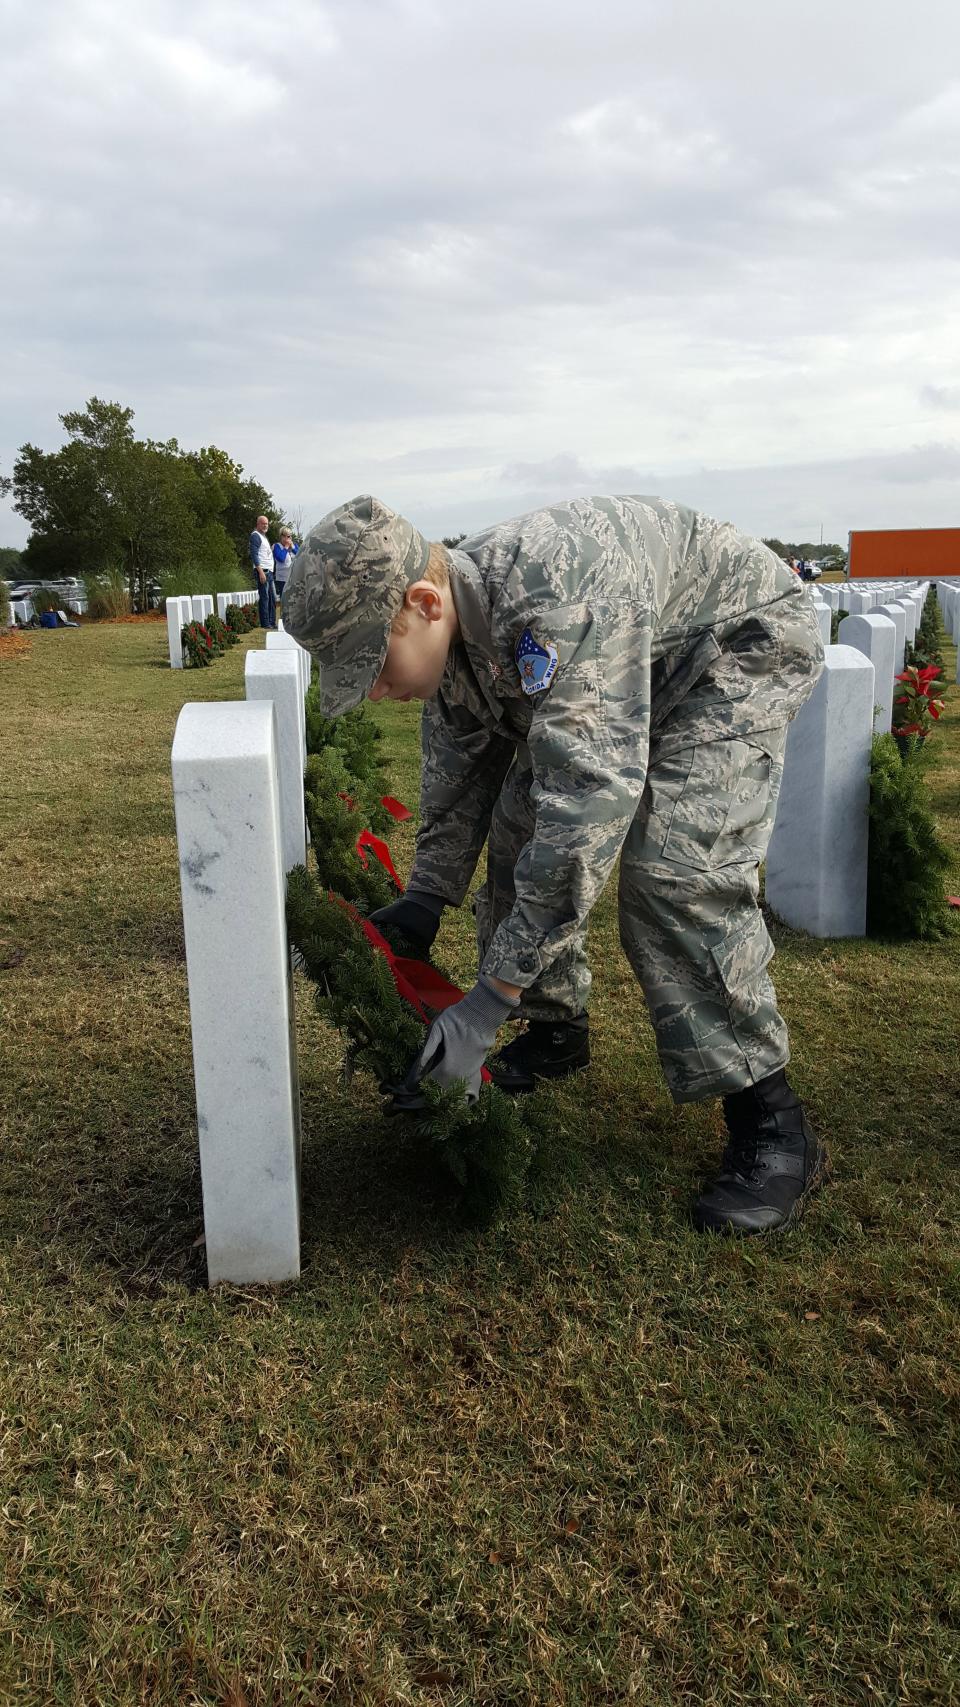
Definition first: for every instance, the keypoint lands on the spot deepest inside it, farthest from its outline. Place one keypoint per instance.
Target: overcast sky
(474, 254)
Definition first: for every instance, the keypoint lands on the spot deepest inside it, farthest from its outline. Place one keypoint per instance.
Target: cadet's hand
(456, 1045)
(416, 914)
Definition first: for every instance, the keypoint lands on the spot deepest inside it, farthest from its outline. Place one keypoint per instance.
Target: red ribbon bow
(425, 989)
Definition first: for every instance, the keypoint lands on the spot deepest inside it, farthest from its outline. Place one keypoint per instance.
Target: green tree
(10, 560)
(831, 556)
(108, 500)
(233, 498)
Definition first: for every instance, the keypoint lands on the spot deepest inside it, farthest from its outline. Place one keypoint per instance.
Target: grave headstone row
(238, 795)
(247, 597)
(816, 872)
(197, 608)
(948, 595)
(902, 603)
(22, 610)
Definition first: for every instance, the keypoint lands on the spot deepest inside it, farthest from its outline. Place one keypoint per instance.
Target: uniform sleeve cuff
(513, 965)
(449, 896)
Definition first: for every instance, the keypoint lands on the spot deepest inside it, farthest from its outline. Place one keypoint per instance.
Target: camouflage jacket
(652, 627)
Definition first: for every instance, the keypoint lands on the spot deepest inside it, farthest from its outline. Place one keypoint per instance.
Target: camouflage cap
(346, 587)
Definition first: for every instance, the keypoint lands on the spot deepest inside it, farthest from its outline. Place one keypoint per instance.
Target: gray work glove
(416, 914)
(456, 1045)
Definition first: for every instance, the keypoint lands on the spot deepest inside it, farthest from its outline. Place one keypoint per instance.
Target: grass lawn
(586, 1457)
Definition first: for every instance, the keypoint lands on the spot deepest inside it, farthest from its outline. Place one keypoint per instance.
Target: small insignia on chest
(536, 663)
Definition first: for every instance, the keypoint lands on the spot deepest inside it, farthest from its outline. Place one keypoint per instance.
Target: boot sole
(819, 1177)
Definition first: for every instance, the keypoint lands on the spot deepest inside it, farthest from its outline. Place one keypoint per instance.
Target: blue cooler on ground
(48, 619)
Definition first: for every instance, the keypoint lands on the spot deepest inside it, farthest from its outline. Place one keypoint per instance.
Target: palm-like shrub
(107, 594)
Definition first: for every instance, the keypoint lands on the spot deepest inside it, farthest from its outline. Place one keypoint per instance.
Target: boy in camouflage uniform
(609, 676)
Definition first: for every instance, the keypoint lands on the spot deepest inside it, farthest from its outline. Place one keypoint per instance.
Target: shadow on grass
(106, 1175)
(105, 1170)
(109, 1166)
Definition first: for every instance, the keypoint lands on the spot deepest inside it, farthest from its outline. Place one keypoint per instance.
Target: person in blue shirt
(284, 553)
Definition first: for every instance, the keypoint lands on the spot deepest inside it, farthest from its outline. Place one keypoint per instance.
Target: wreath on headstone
(372, 986)
(199, 645)
(209, 639)
(241, 618)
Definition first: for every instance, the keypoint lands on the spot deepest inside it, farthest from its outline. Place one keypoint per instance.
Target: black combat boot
(772, 1164)
(548, 1049)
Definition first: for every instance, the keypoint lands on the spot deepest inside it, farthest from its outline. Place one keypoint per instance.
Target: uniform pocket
(743, 953)
(724, 806)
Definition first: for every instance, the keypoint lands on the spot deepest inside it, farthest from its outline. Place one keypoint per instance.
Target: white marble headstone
(175, 625)
(823, 614)
(276, 676)
(875, 636)
(898, 616)
(282, 641)
(816, 872)
(226, 801)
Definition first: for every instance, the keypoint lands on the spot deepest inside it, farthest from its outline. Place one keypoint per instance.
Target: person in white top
(261, 556)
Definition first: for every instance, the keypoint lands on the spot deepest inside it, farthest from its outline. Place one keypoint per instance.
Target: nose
(378, 691)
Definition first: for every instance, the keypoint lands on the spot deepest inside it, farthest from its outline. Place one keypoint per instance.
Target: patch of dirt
(87, 621)
(142, 616)
(13, 646)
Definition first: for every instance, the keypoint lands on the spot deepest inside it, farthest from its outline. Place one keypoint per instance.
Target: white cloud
(940, 396)
(347, 240)
(184, 70)
(623, 136)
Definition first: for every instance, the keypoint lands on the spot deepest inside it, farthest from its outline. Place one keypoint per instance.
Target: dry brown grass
(13, 647)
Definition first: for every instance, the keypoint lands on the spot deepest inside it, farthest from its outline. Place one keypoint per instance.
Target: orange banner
(888, 552)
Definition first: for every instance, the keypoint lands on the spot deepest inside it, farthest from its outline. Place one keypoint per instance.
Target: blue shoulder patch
(537, 664)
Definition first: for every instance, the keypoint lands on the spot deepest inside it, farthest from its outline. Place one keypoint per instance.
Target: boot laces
(742, 1155)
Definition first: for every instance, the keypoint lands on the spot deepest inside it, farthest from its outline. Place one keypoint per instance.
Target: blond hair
(437, 571)
(438, 565)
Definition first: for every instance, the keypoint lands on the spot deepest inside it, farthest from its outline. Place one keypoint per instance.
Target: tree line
(831, 556)
(109, 503)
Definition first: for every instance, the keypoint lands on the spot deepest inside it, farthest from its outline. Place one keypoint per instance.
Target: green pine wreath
(486, 1147)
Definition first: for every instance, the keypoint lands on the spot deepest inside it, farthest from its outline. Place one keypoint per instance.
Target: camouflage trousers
(690, 924)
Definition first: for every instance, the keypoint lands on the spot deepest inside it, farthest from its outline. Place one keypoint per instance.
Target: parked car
(65, 585)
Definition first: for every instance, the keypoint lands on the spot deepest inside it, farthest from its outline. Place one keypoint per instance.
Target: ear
(425, 600)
